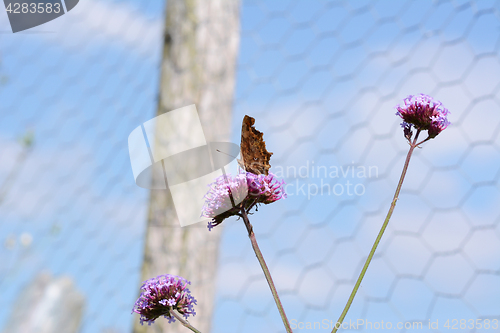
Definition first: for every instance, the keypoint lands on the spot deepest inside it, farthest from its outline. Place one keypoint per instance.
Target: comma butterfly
(254, 155)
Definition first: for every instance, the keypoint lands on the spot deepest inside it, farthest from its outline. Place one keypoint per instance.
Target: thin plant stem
(244, 215)
(262, 262)
(183, 321)
(413, 145)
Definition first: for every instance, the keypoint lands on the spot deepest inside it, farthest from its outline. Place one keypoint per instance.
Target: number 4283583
(32, 8)
(455, 324)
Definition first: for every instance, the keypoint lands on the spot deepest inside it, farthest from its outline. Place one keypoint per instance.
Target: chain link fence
(322, 79)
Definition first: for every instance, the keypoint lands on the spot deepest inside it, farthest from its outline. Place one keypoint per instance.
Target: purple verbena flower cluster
(265, 189)
(217, 199)
(247, 190)
(423, 113)
(162, 294)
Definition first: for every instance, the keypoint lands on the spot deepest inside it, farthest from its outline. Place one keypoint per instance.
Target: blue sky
(322, 79)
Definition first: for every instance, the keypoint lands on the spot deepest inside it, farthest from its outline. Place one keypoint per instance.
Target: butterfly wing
(254, 155)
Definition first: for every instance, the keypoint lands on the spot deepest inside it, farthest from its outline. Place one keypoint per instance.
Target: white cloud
(94, 24)
(40, 190)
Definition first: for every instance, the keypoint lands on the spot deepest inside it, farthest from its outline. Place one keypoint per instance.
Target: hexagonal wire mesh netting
(322, 79)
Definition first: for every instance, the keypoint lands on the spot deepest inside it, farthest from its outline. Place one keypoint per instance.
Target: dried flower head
(247, 190)
(162, 294)
(423, 113)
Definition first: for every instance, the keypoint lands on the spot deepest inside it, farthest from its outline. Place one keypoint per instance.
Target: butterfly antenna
(225, 153)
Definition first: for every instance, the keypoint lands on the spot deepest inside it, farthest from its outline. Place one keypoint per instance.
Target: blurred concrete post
(201, 41)
(47, 305)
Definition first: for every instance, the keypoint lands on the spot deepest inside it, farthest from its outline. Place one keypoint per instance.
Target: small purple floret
(423, 113)
(162, 294)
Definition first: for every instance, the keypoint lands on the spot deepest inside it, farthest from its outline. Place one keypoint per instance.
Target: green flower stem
(183, 321)
(413, 145)
(262, 262)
